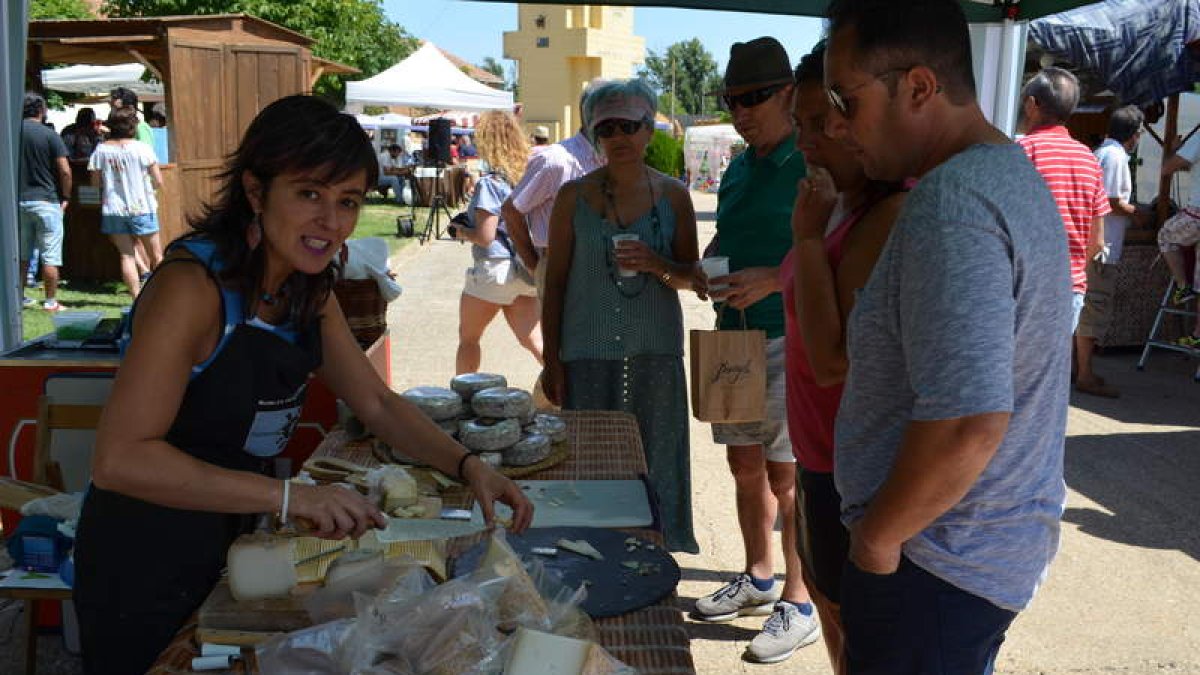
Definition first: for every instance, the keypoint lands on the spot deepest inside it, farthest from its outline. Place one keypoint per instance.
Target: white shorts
(1180, 230)
(499, 282)
(771, 433)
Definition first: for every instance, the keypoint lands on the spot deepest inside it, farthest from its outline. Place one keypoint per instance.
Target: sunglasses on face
(609, 128)
(838, 100)
(750, 99)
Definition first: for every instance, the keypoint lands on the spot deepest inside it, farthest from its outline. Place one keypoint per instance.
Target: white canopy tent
(426, 79)
(86, 79)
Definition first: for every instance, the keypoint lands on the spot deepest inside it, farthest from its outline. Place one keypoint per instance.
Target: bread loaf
(488, 435)
(438, 403)
(529, 450)
(468, 384)
(502, 402)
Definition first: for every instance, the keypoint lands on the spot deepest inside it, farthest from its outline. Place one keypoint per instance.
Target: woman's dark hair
(295, 133)
(812, 66)
(85, 117)
(122, 123)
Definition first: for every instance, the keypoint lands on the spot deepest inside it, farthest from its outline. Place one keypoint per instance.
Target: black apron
(141, 568)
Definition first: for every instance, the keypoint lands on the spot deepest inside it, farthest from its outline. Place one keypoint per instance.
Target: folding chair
(1153, 341)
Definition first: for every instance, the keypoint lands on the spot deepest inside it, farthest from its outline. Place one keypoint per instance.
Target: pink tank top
(811, 408)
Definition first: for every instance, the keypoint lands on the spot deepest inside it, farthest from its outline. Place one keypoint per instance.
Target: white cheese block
(261, 566)
(504, 402)
(529, 450)
(548, 425)
(488, 436)
(398, 488)
(468, 384)
(438, 403)
(538, 653)
(582, 547)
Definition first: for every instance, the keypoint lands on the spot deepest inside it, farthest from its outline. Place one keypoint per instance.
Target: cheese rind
(479, 436)
(502, 402)
(529, 450)
(538, 653)
(438, 403)
(548, 425)
(468, 384)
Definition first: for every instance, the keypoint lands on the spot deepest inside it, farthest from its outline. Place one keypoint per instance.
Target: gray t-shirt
(966, 313)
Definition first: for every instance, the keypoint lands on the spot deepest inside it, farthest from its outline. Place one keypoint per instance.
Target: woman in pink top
(839, 226)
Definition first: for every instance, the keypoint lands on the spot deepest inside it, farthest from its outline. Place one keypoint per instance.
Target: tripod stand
(437, 201)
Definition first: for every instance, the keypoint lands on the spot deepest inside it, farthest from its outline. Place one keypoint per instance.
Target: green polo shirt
(754, 223)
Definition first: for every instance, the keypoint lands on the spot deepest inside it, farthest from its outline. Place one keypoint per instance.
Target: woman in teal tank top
(611, 320)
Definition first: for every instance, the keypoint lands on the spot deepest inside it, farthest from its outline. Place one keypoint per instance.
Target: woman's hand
(639, 257)
(745, 287)
(489, 486)
(816, 196)
(335, 512)
(554, 381)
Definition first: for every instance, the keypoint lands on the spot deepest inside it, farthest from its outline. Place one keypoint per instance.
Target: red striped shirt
(1077, 183)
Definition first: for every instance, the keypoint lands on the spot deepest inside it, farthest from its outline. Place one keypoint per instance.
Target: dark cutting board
(614, 588)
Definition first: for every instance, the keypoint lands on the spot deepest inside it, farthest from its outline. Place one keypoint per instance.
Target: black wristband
(461, 463)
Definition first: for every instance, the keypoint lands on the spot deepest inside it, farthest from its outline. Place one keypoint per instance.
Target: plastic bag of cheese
(310, 651)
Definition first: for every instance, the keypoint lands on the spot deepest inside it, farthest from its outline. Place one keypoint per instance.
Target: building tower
(559, 49)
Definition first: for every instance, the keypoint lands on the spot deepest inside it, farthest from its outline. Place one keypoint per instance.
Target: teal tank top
(606, 316)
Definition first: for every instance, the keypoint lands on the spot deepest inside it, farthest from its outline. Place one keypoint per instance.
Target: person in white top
(1124, 131)
(394, 169)
(127, 171)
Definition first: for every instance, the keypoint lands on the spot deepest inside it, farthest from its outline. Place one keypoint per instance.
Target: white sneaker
(785, 631)
(737, 598)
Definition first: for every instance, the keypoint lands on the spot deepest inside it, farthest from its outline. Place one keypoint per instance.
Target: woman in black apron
(222, 342)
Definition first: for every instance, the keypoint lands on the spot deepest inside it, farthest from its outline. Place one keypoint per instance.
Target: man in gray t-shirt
(949, 439)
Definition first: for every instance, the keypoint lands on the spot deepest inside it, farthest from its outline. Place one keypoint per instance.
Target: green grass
(378, 219)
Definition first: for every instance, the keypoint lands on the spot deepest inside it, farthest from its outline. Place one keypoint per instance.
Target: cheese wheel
(503, 402)
(529, 450)
(468, 384)
(438, 403)
(487, 435)
(492, 459)
(352, 563)
(548, 425)
(261, 566)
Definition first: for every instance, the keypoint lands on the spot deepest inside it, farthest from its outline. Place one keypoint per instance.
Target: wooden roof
(474, 72)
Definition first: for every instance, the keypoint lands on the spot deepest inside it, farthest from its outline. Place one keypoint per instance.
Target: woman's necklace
(623, 283)
(610, 198)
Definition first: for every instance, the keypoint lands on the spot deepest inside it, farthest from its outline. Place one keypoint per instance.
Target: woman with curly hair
(496, 281)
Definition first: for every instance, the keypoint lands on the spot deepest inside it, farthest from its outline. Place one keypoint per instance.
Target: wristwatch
(666, 278)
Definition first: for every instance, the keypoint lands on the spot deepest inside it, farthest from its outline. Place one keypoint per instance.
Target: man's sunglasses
(837, 99)
(608, 128)
(750, 99)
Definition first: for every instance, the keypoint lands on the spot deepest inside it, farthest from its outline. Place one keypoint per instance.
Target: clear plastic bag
(309, 651)
(402, 576)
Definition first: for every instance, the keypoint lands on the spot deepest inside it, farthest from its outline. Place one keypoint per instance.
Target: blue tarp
(1138, 47)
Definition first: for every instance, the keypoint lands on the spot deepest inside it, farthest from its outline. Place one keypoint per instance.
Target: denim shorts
(41, 228)
(139, 226)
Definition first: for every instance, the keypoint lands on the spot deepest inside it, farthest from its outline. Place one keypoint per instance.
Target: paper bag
(729, 375)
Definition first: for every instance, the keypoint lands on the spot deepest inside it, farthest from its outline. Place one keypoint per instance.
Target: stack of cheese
(491, 419)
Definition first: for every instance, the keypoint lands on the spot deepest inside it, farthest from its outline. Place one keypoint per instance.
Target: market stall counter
(603, 446)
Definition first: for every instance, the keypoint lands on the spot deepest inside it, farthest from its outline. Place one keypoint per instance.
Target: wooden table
(604, 446)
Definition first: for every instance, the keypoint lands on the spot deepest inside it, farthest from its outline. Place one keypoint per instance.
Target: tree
(353, 32)
(688, 71)
(496, 68)
(59, 9)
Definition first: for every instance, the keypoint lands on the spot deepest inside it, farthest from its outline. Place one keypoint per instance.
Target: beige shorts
(499, 282)
(1181, 229)
(771, 433)
(1097, 312)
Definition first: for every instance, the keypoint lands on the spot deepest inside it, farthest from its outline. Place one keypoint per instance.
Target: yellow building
(559, 49)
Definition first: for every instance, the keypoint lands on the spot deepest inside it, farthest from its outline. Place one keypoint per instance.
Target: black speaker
(438, 149)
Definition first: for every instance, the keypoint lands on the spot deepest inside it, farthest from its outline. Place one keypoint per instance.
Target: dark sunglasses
(838, 100)
(609, 128)
(749, 99)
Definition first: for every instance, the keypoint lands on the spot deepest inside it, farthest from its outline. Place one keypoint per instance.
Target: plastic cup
(626, 236)
(716, 266)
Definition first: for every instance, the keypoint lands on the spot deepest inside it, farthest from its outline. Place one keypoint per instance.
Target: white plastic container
(75, 326)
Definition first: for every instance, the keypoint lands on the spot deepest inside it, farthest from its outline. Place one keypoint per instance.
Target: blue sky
(474, 30)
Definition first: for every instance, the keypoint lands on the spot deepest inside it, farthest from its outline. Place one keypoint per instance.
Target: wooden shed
(218, 71)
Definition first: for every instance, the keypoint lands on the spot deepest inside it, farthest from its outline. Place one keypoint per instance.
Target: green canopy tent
(976, 10)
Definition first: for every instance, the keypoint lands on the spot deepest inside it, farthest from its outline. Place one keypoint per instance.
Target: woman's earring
(254, 233)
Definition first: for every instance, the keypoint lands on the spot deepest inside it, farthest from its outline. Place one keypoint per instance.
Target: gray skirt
(654, 390)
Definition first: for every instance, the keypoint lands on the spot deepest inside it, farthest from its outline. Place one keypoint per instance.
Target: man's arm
(937, 464)
(518, 231)
(64, 179)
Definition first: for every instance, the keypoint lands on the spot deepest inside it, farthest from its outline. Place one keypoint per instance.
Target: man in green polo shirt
(754, 210)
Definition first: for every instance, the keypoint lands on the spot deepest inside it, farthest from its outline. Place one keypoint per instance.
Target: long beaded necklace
(623, 284)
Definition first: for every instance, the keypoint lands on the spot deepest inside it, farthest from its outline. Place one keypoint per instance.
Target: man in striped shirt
(1069, 168)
